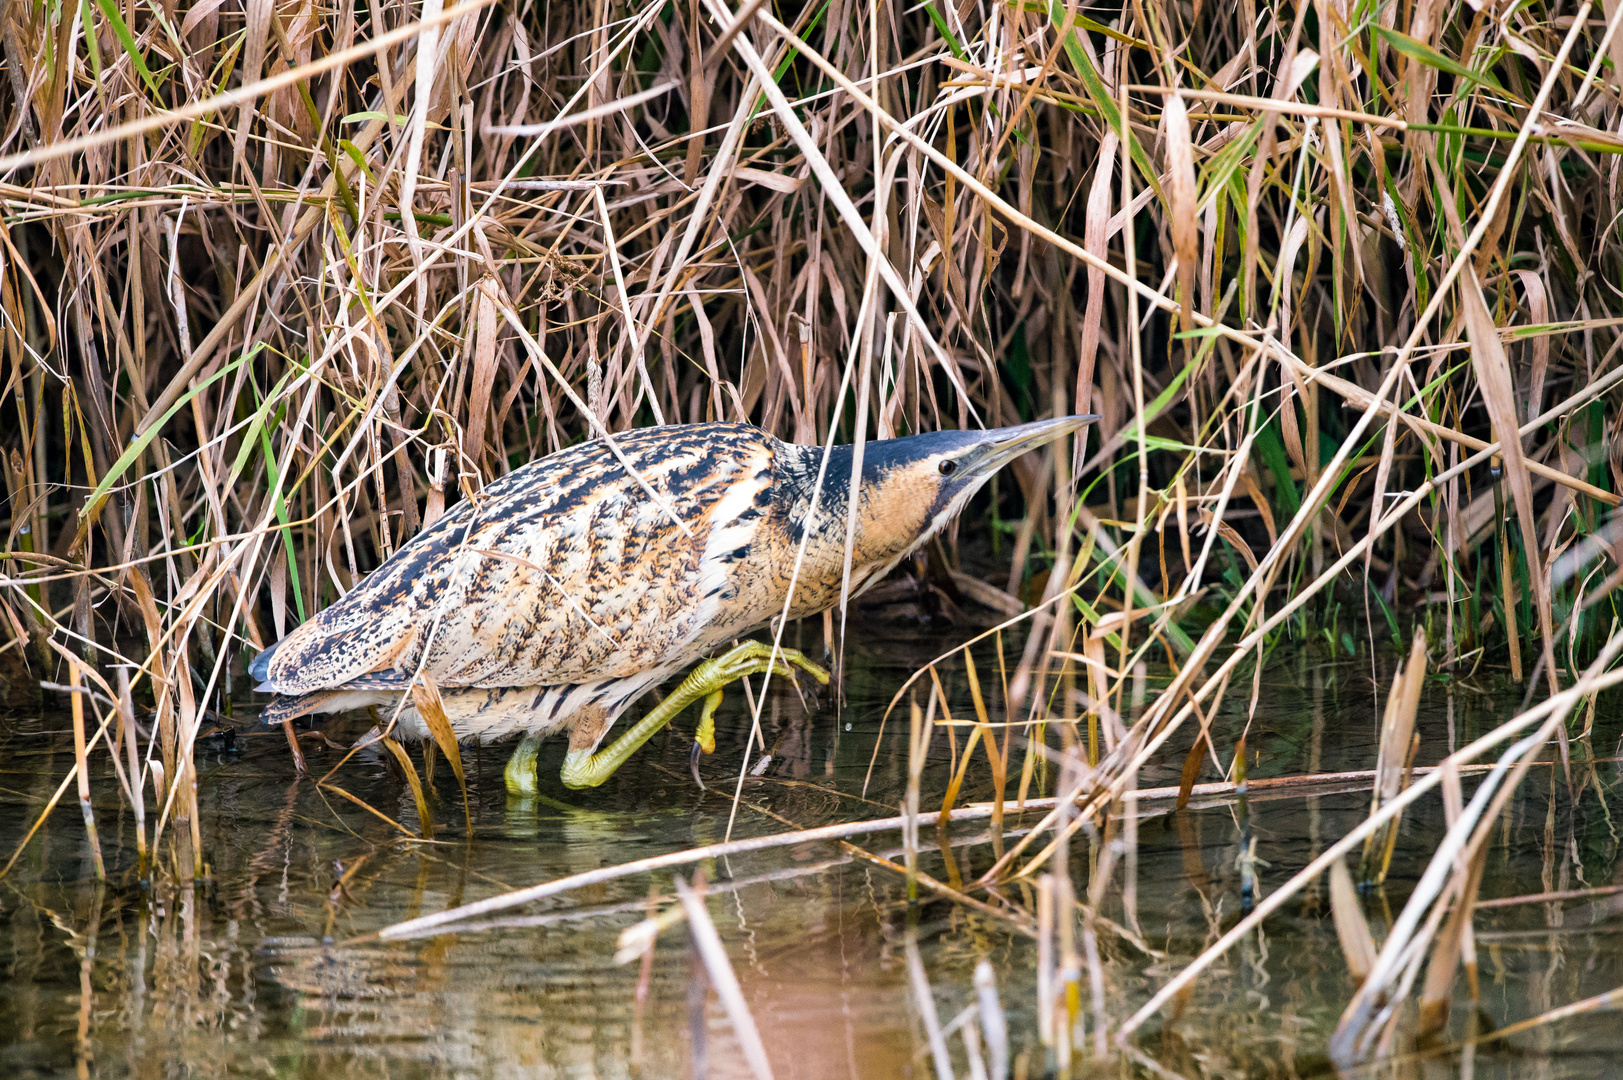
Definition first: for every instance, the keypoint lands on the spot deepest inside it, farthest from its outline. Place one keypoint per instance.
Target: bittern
(559, 595)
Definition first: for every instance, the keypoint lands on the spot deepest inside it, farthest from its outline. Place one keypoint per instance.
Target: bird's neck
(885, 527)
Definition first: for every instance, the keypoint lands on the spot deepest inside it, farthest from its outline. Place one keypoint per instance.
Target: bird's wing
(564, 571)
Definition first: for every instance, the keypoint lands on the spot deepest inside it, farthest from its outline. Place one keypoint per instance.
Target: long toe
(800, 660)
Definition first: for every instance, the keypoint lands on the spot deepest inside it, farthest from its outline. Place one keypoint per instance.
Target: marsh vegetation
(281, 281)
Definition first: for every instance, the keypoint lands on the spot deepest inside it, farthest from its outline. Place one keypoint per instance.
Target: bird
(558, 595)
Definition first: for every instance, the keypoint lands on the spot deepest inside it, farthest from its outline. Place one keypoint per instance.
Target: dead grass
(280, 281)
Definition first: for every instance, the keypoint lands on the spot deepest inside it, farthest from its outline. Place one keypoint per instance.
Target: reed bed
(281, 281)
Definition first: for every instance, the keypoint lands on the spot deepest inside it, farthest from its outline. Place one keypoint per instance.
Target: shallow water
(258, 970)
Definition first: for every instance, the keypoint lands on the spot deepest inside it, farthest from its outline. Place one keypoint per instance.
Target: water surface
(266, 967)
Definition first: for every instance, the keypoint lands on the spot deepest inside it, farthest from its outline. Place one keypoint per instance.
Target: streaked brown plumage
(567, 589)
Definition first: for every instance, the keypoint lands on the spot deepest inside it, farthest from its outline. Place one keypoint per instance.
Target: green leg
(584, 769)
(520, 772)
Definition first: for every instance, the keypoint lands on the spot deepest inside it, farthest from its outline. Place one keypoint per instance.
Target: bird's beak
(1003, 445)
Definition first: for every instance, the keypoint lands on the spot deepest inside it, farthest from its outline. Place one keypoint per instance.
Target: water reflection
(267, 967)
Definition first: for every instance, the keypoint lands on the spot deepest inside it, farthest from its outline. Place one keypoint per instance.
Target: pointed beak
(1005, 444)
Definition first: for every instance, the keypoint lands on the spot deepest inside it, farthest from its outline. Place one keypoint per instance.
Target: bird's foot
(583, 769)
(748, 658)
(520, 773)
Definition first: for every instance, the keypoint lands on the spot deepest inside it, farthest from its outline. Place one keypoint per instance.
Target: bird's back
(562, 572)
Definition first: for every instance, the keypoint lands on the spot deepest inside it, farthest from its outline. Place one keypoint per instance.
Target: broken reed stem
(956, 783)
(924, 1001)
(1395, 762)
(1352, 929)
(1246, 860)
(1068, 1009)
(137, 795)
(997, 755)
(920, 728)
(1046, 974)
(720, 969)
(994, 1024)
(81, 762)
(1129, 814)
(1507, 577)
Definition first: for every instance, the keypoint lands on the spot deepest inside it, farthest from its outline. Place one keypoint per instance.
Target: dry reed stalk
(1456, 943)
(426, 696)
(924, 1001)
(133, 789)
(708, 943)
(1452, 874)
(1606, 1001)
(1047, 1000)
(995, 756)
(1394, 762)
(81, 764)
(425, 818)
(1550, 897)
(920, 729)
(1352, 929)
(1545, 714)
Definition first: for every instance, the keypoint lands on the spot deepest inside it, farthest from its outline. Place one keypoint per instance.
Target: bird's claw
(693, 763)
(704, 736)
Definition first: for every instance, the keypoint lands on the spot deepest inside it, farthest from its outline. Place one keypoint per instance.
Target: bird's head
(911, 487)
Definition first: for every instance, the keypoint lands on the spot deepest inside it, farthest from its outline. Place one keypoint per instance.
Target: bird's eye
(948, 467)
